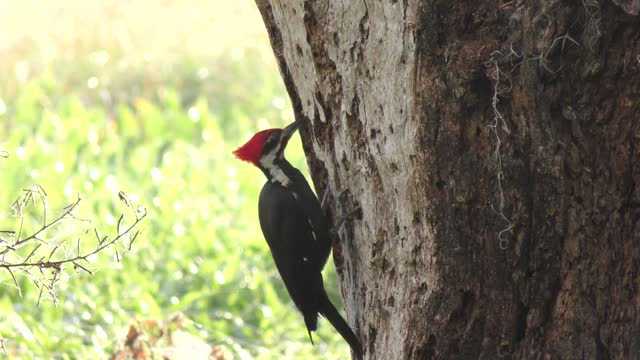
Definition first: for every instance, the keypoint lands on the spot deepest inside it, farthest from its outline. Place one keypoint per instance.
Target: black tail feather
(331, 313)
(310, 337)
(311, 322)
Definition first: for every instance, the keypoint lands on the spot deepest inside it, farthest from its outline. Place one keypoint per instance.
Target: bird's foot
(341, 220)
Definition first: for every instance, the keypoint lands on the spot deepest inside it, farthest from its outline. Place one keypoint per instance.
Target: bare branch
(104, 243)
(46, 280)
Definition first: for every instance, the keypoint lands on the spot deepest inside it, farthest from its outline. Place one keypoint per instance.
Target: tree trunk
(494, 149)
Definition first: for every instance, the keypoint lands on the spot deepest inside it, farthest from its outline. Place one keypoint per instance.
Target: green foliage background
(162, 132)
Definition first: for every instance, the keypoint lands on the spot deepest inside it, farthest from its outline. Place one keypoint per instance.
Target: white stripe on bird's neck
(277, 174)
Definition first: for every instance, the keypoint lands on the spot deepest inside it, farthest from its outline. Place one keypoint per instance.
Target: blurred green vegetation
(104, 121)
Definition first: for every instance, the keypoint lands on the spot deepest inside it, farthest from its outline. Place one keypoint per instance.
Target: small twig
(15, 281)
(33, 252)
(132, 238)
(20, 230)
(76, 264)
(52, 252)
(119, 223)
(40, 286)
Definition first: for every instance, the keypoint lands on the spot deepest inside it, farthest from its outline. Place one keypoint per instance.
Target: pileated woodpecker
(296, 228)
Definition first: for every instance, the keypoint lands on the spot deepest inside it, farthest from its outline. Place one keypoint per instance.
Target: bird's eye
(272, 141)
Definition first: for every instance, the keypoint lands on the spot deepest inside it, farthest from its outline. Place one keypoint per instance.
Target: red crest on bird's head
(252, 149)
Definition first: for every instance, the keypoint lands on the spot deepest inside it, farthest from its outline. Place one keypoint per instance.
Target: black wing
(294, 247)
(313, 210)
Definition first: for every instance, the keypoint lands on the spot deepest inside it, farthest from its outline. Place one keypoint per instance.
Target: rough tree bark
(494, 148)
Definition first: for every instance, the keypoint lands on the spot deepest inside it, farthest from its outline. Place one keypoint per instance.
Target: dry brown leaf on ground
(167, 340)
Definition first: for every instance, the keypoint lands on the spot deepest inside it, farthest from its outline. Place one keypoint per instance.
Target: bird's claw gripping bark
(341, 220)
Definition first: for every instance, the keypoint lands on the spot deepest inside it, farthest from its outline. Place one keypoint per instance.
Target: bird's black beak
(288, 131)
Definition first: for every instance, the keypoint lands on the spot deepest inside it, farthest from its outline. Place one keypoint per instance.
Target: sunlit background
(146, 97)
